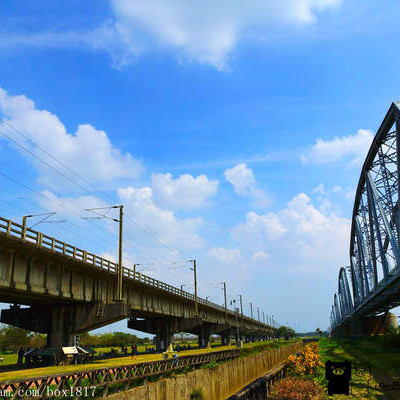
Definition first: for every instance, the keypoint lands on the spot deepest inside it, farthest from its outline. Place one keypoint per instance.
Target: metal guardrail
(86, 382)
(25, 234)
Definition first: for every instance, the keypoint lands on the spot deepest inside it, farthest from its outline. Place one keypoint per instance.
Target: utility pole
(119, 268)
(196, 303)
(136, 265)
(241, 304)
(24, 226)
(226, 311)
(119, 283)
(45, 217)
(251, 309)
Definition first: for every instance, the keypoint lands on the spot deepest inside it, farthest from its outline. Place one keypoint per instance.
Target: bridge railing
(23, 233)
(87, 382)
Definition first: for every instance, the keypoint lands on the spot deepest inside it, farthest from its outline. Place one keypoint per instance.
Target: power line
(143, 226)
(40, 194)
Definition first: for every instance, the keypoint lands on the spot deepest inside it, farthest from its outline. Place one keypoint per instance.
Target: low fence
(260, 388)
(86, 382)
(218, 382)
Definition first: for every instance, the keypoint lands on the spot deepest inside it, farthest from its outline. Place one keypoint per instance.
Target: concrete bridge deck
(70, 291)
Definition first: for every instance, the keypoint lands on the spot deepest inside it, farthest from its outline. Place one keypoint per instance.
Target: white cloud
(185, 192)
(88, 151)
(299, 236)
(71, 206)
(242, 179)
(181, 233)
(224, 255)
(261, 255)
(319, 189)
(353, 147)
(207, 31)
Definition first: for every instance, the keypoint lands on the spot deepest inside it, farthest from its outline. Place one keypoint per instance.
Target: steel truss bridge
(371, 284)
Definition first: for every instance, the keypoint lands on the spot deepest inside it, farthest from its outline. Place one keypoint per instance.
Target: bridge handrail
(18, 231)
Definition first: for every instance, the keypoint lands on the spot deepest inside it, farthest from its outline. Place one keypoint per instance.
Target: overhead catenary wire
(40, 194)
(157, 237)
(100, 241)
(149, 231)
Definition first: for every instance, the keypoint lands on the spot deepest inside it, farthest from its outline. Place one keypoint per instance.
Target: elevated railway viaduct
(69, 291)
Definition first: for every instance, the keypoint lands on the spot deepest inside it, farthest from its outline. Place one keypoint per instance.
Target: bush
(306, 362)
(197, 394)
(210, 365)
(295, 388)
(392, 338)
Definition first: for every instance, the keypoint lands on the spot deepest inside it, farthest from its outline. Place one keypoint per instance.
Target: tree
(285, 332)
(12, 338)
(38, 340)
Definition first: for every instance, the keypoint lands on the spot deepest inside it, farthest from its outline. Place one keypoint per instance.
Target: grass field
(384, 361)
(45, 371)
(9, 359)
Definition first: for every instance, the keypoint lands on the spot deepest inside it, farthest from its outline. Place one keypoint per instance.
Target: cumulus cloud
(88, 151)
(260, 255)
(352, 147)
(181, 233)
(207, 31)
(224, 255)
(73, 207)
(242, 179)
(299, 236)
(185, 192)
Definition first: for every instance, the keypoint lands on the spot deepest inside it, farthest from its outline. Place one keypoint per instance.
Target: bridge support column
(367, 326)
(62, 322)
(164, 335)
(226, 337)
(204, 336)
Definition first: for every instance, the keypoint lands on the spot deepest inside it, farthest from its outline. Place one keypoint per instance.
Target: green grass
(13, 373)
(9, 359)
(385, 364)
(382, 358)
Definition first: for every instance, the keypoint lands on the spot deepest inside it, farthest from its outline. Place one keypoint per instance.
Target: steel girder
(375, 233)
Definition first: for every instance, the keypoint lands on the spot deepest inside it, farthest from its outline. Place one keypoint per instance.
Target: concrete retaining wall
(216, 384)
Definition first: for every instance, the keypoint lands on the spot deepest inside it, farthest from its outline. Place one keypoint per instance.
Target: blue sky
(235, 132)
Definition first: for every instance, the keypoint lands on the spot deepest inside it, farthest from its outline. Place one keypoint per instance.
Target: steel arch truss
(374, 240)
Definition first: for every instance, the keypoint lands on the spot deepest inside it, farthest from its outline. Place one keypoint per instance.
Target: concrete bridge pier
(367, 326)
(204, 335)
(164, 334)
(226, 337)
(62, 322)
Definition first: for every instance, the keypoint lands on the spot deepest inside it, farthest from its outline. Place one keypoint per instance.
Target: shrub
(210, 365)
(197, 394)
(306, 362)
(294, 388)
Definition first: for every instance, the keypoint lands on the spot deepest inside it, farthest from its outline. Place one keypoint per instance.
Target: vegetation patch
(197, 394)
(296, 388)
